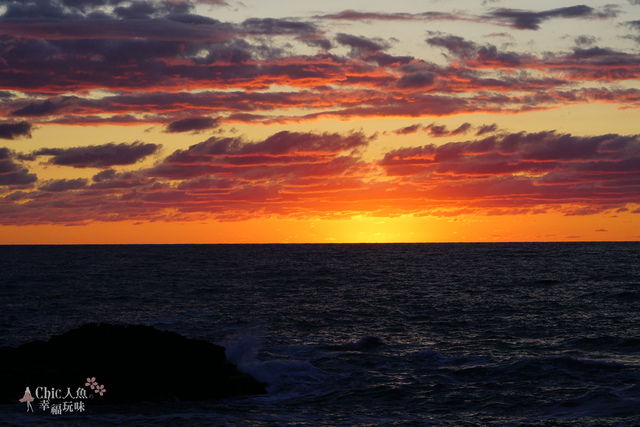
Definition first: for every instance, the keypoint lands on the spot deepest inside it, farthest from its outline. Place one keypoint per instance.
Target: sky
(283, 121)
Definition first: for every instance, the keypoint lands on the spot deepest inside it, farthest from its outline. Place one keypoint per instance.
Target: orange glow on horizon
(359, 229)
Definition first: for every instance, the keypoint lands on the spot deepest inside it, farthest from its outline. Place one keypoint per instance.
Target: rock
(134, 364)
(369, 342)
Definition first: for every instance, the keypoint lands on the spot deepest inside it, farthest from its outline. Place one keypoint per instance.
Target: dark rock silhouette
(134, 363)
(369, 343)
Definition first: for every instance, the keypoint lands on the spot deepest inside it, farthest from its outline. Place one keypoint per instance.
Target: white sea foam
(286, 375)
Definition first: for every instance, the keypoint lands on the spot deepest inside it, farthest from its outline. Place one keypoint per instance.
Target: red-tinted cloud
(284, 154)
(305, 175)
(524, 169)
(116, 62)
(169, 61)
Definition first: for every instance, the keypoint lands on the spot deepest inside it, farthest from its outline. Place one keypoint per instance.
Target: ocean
(362, 334)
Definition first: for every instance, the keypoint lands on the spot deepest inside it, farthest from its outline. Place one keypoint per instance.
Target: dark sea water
(386, 334)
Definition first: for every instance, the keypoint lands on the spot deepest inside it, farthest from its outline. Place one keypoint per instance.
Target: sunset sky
(257, 121)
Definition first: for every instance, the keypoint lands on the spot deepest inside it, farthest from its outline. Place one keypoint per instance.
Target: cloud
(135, 10)
(405, 104)
(111, 179)
(476, 55)
(271, 26)
(21, 7)
(546, 165)
(12, 173)
(437, 130)
(586, 63)
(352, 15)
(43, 108)
(192, 124)
(310, 175)
(95, 120)
(585, 40)
(164, 64)
(417, 80)
(96, 156)
(285, 155)
(486, 129)
(454, 44)
(319, 42)
(15, 130)
(60, 185)
(361, 45)
(170, 61)
(460, 130)
(235, 51)
(434, 130)
(409, 106)
(161, 29)
(284, 142)
(528, 20)
(408, 129)
(514, 18)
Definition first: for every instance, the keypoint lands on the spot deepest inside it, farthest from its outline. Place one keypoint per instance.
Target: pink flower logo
(91, 382)
(97, 388)
(100, 389)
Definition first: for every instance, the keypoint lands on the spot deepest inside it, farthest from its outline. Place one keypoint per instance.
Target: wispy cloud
(192, 124)
(95, 156)
(514, 18)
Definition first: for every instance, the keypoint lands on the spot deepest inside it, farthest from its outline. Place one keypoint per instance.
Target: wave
(434, 358)
(369, 342)
(556, 369)
(606, 344)
(288, 376)
(602, 402)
